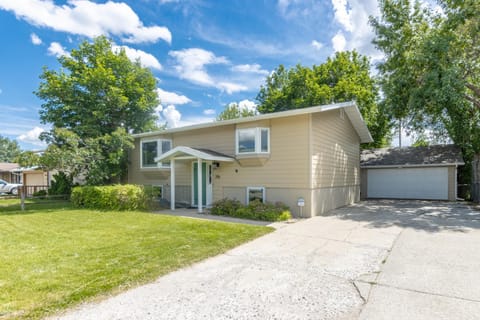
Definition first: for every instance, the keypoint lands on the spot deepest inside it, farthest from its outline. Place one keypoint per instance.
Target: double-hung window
(150, 149)
(253, 140)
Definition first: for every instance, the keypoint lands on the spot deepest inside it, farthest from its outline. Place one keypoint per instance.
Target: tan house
(6, 172)
(307, 158)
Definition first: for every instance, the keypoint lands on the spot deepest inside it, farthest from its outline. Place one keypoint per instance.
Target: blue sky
(205, 54)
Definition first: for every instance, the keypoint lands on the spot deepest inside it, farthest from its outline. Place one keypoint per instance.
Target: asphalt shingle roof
(431, 155)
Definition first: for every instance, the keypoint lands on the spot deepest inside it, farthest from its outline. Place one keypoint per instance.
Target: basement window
(255, 193)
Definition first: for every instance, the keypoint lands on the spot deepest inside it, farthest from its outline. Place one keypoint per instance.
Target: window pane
(166, 146)
(246, 140)
(264, 140)
(255, 194)
(149, 153)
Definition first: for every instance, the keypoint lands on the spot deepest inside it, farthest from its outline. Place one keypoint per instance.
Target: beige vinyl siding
(219, 139)
(335, 162)
(285, 173)
(286, 165)
(335, 151)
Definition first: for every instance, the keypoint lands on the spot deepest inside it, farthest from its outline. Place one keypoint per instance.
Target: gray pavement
(373, 260)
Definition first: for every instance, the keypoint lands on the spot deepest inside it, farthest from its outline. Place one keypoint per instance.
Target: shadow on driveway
(429, 216)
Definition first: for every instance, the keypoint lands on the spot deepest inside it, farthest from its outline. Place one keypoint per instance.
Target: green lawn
(52, 259)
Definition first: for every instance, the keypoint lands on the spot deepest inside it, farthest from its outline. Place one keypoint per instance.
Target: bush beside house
(116, 197)
(255, 210)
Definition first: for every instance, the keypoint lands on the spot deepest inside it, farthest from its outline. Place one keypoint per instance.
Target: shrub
(225, 207)
(40, 194)
(116, 197)
(61, 185)
(256, 210)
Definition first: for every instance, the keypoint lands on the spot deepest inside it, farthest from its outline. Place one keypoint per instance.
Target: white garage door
(411, 183)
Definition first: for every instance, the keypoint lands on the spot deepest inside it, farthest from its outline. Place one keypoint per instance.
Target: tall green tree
(234, 111)
(28, 159)
(430, 75)
(342, 78)
(98, 96)
(9, 149)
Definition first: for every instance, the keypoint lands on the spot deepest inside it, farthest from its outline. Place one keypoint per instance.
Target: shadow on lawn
(33, 206)
(429, 216)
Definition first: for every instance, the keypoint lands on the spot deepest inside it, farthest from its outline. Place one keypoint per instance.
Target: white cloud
(250, 68)
(317, 45)
(56, 49)
(86, 18)
(172, 116)
(230, 87)
(339, 42)
(35, 39)
(343, 14)
(209, 112)
(248, 105)
(32, 137)
(191, 65)
(146, 59)
(353, 17)
(167, 97)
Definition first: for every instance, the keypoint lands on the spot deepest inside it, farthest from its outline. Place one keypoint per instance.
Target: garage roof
(436, 155)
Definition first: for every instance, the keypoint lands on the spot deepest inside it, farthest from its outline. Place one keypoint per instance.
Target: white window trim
(161, 188)
(258, 140)
(264, 198)
(159, 152)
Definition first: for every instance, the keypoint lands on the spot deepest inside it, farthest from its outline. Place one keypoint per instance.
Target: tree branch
(474, 88)
(475, 102)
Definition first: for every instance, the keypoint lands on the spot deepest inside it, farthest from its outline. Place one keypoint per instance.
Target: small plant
(40, 194)
(61, 185)
(255, 210)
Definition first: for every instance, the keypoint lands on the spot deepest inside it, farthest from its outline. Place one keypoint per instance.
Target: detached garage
(427, 173)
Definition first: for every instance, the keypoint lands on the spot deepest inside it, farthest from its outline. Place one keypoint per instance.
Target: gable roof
(188, 152)
(350, 108)
(7, 167)
(442, 155)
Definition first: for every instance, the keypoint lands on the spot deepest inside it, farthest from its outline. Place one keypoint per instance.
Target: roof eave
(321, 108)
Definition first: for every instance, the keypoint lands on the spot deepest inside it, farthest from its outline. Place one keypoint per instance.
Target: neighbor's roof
(187, 152)
(435, 155)
(7, 167)
(350, 107)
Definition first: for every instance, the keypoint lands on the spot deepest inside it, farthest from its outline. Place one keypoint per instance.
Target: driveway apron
(373, 260)
(301, 271)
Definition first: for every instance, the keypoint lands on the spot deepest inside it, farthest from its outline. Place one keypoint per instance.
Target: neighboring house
(7, 174)
(427, 173)
(310, 154)
(34, 178)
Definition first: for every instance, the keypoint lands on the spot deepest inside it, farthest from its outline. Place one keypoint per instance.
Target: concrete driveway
(373, 260)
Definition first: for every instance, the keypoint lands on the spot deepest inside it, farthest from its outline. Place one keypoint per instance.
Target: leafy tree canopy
(92, 103)
(28, 159)
(9, 149)
(430, 77)
(344, 77)
(234, 111)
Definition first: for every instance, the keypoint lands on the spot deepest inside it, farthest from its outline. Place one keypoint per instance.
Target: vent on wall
(342, 113)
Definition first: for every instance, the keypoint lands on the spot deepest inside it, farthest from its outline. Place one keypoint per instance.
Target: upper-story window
(150, 149)
(253, 140)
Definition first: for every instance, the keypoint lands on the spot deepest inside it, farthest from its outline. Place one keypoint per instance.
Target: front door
(206, 184)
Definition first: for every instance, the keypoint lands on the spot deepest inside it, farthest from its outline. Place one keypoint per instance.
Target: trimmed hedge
(116, 197)
(255, 210)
